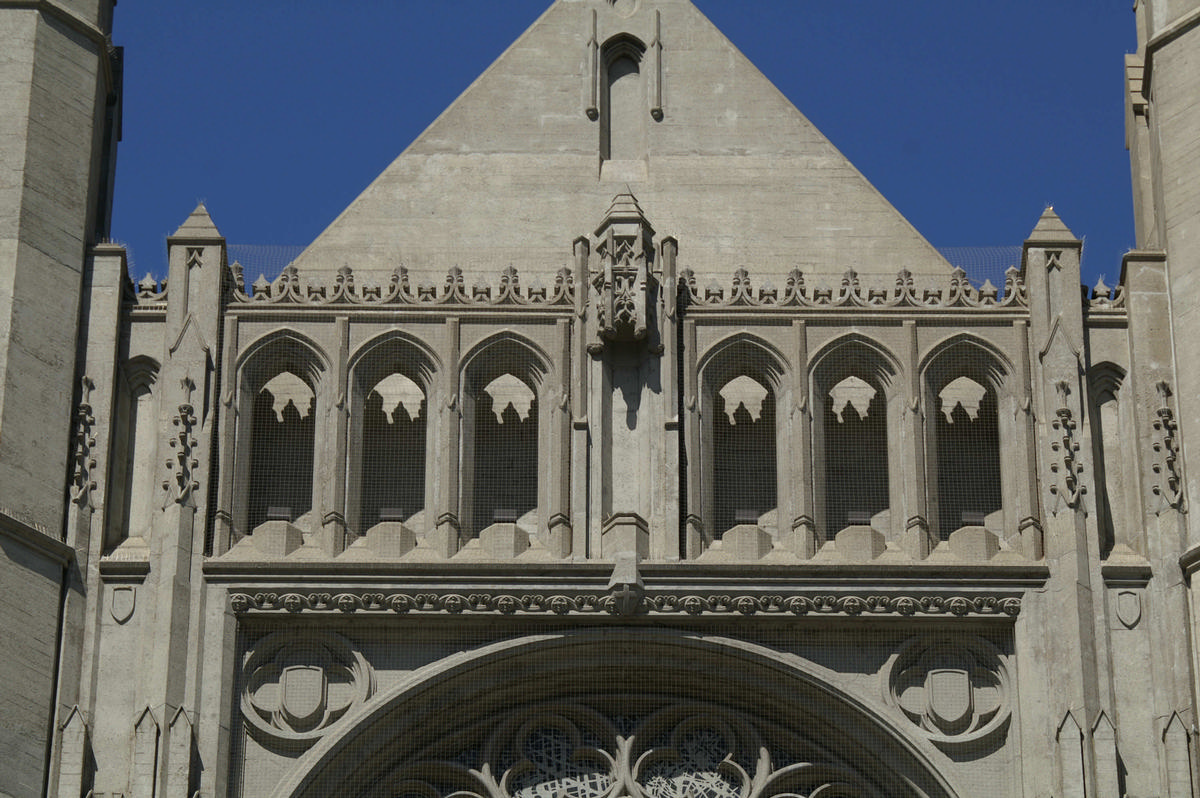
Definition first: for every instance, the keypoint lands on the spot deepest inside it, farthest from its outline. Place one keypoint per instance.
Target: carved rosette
(955, 690)
(295, 687)
(682, 750)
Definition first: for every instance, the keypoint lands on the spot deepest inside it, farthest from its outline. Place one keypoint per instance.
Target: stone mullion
(230, 428)
(580, 451)
(695, 521)
(911, 410)
(797, 447)
(446, 533)
(333, 519)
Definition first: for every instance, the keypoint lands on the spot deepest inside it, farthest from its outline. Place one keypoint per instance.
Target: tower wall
(58, 74)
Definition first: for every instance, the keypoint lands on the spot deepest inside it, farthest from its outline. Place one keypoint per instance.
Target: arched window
(135, 455)
(277, 436)
(744, 455)
(501, 426)
(389, 432)
(964, 469)
(281, 450)
(623, 107)
(853, 389)
(739, 438)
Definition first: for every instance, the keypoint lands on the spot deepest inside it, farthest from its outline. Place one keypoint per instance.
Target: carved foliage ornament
(614, 604)
(956, 690)
(84, 461)
(1066, 489)
(675, 750)
(1167, 484)
(295, 687)
(182, 464)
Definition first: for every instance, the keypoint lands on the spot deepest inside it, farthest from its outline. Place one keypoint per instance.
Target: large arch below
(622, 704)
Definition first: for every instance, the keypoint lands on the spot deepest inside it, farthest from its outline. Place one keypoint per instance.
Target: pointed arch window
(275, 470)
(281, 449)
(388, 452)
(740, 430)
(502, 430)
(965, 468)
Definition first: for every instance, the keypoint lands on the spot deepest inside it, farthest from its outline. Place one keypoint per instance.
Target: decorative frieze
(619, 603)
(958, 293)
(290, 288)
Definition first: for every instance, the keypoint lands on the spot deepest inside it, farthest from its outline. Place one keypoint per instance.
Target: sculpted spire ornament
(624, 280)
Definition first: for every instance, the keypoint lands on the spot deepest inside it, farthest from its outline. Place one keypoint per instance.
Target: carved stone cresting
(624, 600)
(623, 281)
(955, 690)
(182, 465)
(297, 686)
(147, 291)
(1066, 489)
(292, 289)
(1167, 484)
(958, 293)
(660, 748)
(82, 482)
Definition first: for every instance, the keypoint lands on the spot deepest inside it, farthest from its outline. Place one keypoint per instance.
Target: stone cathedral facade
(619, 441)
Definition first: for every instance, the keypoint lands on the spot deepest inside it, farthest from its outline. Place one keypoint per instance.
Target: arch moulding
(618, 714)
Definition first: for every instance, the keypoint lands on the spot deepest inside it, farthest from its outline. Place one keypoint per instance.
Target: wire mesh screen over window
(856, 454)
(392, 452)
(744, 468)
(505, 445)
(281, 450)
(968, 456)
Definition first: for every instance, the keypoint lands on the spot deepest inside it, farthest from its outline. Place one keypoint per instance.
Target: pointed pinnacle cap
(1050, 228)
(198, 225)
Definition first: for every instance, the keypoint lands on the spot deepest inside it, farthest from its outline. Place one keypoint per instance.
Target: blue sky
(968, 115)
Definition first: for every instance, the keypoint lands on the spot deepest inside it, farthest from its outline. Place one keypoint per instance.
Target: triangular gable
(512, 171)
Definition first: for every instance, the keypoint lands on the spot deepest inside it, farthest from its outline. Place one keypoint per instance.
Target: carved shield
(1129, 608)
(303, 694)
(950, 698)
(121, 604)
